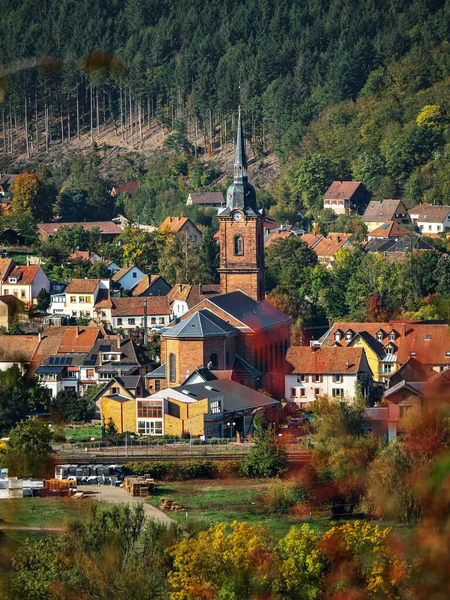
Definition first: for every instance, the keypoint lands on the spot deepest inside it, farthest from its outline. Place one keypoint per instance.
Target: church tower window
(239, 245)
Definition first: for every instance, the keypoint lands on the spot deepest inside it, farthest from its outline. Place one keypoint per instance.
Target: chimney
(338, 237)
(200, 289)
(77, 331)
(403, 330)
(180, 287)
(119, 372)
(347, 364)
(39, 337)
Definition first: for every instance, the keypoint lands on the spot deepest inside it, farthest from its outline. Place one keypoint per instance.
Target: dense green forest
(337, 88)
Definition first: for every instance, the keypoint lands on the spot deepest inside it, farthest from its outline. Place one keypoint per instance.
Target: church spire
(241, 194)
(240, 162)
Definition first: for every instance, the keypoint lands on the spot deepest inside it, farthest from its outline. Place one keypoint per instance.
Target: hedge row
(184, 470)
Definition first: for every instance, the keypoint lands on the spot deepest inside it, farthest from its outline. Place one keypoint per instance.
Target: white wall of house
(4, 366)
(302, 388)
(339, 207)
(179, 308)
(132, 322)
(130, 279)
(427, 227)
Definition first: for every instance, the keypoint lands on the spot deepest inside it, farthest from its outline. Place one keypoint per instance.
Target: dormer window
(380, 336)
(389, 349)
(13, 280)
(348, 336)
(337, 336)
(392, 336)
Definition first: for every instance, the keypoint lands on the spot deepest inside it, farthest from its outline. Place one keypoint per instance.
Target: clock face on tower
(237, 216)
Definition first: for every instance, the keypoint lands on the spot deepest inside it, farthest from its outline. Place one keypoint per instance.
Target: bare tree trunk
(220, 132)
(121, 115)
(211, 143)
(196, 135)
(46, 127)
(131, 117)
(62, 122)
(125, 109)
(92, 115)
(148, 114)
(68, 116)
(26, 128)
(140, 120)
(36, 122)
(78, 116)
(98, 111)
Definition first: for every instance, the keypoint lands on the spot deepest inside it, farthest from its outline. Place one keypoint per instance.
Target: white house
(17, 351)
(431, 218)
(128, 313)
(127, 277)
(25, 283)
(324, 370)
(81, 297)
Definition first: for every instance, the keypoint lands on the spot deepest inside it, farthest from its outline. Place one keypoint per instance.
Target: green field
(226, 501)
(40, 512)
(83, 434)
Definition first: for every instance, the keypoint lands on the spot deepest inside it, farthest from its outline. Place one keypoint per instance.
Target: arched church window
(172, 367)
(213, 362)
(239, 245)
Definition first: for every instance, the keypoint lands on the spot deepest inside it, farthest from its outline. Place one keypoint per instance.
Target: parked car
(157, 328)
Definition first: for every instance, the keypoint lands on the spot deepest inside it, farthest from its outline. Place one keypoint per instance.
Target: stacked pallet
(56, 485)
(139, 487)
(170, 505)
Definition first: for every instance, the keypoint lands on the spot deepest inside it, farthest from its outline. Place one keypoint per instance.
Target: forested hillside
(335, 87)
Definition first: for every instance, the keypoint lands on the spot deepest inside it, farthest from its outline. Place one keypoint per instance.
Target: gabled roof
(174, 224)
(279, 235)
(241, 369)
(130, 307)
(106, 227)
(433, 214)
(201, 324)
(325, 360)
(18, 348)
(81, 255)
(332, 243)
(390, 229)
(25, 275)
(82, 286)
(123, 271)
(207, 198)
(126, 187)
(78, 339)
(6, 265)
(158, 373)
(253, 315)
(382, 211)
(145, 283)
(311, 239)
(379, 245)
(7, 179)
(340, 190)
(192, 294)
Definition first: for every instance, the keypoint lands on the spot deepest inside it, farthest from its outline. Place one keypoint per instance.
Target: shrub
(283, 495)
(184, 470)
(267, 458)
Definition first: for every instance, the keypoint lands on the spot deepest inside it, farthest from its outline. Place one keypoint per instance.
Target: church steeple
(241, 194)
(240, 162)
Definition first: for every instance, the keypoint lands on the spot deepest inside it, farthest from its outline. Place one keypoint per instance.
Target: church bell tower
(241, 232)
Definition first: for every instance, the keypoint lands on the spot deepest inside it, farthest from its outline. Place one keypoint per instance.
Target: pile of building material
(12, 487)
(91, 474)
(170, 505)
(139, 487)
(58, 485)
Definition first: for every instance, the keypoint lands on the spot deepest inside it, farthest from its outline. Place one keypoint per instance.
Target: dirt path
(114, 495)
(29, 527)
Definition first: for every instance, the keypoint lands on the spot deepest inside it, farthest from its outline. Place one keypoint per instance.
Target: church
(236, 334)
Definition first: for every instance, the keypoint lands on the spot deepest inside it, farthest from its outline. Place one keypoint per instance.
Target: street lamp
(231, 425)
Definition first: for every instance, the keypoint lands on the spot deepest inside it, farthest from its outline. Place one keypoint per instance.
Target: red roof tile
(80, 286)
(324, 360)
(328, 246)
(106, 227)
(125, 307)
(126, 187)
(24, 275)
(207, 198)
(340, 190)
(279, 235)
(389, 229)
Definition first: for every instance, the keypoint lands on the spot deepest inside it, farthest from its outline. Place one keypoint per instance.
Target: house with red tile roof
(378, 213)
(108, 230)
(431, 218)
(311, 239)
(125, 187)
(84, 256)
(206, 199)
(84, 298)
(389, 230)
(184, 226)
(278, 235)
(24, 283)
(389, 346)
(327, 247)
(151, 285)
(344, 197)
(128, 313)
(325, 371)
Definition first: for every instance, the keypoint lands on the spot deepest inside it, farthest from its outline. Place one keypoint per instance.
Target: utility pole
(145, 324)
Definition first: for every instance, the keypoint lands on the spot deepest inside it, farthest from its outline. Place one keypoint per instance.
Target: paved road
(115, 495)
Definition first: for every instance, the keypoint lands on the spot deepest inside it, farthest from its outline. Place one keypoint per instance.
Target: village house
(311, 239)
(182, 297)
(151, 285)
(128, 314)
(431, 218)
(84, 256)
(378, 213)
(81, 297)
(6, 182)
(389, 230)
(401, 246)
(344, 197)
(24, 283)
(108, 230)
(125, 187)
(206, 199)
(183, 226)
(388, 346)
(326, 371)
(112, 267)
(327, 247)
(127, 277)
(17, 351)
(61, 372)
